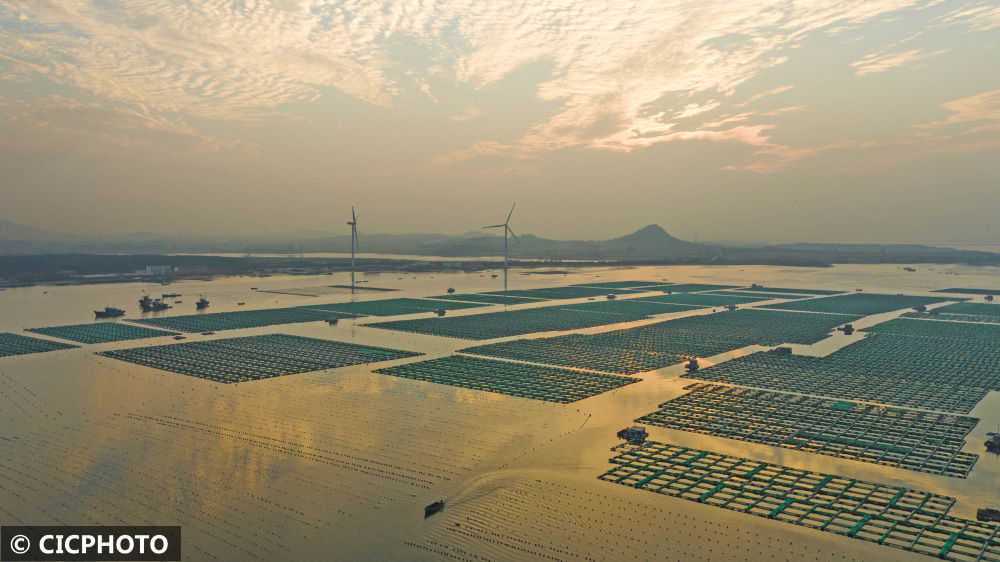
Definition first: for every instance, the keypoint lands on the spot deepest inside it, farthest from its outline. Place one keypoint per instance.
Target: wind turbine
(506, 228)
(354, 242)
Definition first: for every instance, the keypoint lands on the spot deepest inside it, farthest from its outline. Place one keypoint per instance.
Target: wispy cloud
(470, 112)
(874, 63)
(612, 65)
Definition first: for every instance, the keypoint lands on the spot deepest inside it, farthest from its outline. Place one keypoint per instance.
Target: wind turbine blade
(512, 234)
(510, 213)
(353, 216)
(496, 226)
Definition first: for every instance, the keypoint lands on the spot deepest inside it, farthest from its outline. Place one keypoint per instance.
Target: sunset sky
(834, 120)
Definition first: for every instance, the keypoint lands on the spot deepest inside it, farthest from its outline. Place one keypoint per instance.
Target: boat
(209, 333)
(240, 303)
(180, 337)
(158, 304)
(993, 443)
(433, 508)
(253, 288)
(170, 295)
(202, 303)
(440, 312)
(331, 321)
(612, 297)
(635, 435)
(109, 312)
(451, 290)
(692, 365)
(146, 303)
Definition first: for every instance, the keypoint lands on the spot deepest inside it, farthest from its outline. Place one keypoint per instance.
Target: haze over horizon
(848, 121)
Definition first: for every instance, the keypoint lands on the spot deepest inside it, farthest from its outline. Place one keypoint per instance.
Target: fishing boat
(109, 312)
(433, 508)
(202, 303)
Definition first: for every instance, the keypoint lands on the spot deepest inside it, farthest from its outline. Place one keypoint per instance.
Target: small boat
(240, 303)
(202, 303)
(433, 508)
(170, 295)
(635, 435)
(993, 443)
(109, 312)
(253, 288)
(612, 297)
(158, 304)
(440, 312)
(208, 333)
(180, 337)
(331, 321)
(451, 290)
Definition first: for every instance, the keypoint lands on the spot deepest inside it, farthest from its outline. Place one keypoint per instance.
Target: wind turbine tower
(506, 229)
(354, 242)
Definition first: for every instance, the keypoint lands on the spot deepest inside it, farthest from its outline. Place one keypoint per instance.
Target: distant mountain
(10, 231)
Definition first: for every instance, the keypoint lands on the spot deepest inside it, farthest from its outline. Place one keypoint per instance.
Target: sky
(794, 120)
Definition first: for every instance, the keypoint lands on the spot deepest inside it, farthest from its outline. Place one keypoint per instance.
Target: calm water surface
(339, 463)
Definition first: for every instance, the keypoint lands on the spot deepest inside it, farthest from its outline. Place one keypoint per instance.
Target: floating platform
(889, 515)
(908, 439)
(514, 379)
(16, 344)
(250, 358)
(101, 332)
(858, 304)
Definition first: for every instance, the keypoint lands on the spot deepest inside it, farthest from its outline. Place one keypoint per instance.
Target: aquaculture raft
(786, 290)
(255, 357)
(859, 304)
(557, 293)
(654, 346)
(620, 284)
(924, 330)
(889, 515)
(687, 287)
(969, 291)
(509, 323)
(704, 299)
(325, 290)
(910, 439)
(392, 307)
(515, 379)
(217, 321)
(486, 299)
(946, 373)
(579, 351)
(101, 332)
(760, 295)
(16, 344)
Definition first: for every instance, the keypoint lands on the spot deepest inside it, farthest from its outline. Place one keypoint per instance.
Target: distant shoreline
(79, 269)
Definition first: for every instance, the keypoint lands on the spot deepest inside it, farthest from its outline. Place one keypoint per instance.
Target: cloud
(470, 112)
(611, 63)
(874, 63)
(980, 16)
